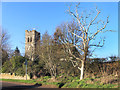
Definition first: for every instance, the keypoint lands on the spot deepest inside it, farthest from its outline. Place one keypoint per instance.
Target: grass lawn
(22, 81)
(69, 82)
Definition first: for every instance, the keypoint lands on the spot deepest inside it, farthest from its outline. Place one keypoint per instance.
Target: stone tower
(32, 39)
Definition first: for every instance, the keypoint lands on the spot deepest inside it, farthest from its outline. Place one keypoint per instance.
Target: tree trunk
(82, 71)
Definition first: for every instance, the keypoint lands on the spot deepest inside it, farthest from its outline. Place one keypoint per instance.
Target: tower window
(28, 39)
(31, 39)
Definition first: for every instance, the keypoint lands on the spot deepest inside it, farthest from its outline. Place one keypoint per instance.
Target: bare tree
(88, 30)
(46, 53)
(4, 45)
(4, 37)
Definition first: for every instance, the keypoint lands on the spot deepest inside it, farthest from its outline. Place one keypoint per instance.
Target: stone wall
(12, 76)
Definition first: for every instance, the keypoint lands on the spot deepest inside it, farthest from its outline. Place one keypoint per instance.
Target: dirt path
(6, 85)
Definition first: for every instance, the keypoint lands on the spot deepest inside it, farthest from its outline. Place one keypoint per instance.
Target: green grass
(45, 78)
(67, 82)
(22, 81)
(48, 83)
(82, 84)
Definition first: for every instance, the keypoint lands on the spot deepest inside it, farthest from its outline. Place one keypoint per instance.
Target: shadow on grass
(61, 84)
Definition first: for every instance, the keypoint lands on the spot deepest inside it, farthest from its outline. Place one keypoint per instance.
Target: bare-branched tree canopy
(4, 45)
(82, 35)
(46, 52)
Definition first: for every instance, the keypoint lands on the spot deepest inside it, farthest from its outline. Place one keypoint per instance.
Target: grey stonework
(32, 39)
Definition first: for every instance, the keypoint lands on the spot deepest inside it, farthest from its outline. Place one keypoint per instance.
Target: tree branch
(100, 30)
(93, 20)
(98, 45)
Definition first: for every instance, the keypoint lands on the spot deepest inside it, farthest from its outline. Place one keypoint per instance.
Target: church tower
(32, 39)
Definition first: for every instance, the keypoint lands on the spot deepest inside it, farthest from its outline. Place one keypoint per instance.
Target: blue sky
(20, 16)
